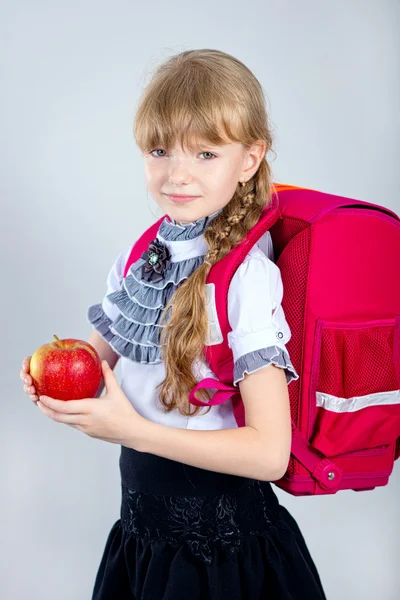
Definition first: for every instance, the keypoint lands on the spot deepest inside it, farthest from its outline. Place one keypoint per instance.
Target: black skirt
(188, 533)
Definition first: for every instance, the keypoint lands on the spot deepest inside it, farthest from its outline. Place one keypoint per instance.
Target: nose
(180, 170)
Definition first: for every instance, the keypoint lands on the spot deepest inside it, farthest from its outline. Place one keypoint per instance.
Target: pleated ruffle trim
(253, 361)
(171, 230)
(136, 331)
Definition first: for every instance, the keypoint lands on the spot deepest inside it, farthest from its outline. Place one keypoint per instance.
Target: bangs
(188, 118)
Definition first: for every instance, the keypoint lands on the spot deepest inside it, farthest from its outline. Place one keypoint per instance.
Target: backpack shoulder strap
(219, 356)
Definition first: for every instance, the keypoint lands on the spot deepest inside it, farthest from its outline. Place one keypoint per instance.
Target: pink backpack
(338, 259)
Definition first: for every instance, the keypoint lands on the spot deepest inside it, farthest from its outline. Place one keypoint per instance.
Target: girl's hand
(27, 379)
(111, 417)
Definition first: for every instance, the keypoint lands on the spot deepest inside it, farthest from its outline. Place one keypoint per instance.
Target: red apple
(67, 369)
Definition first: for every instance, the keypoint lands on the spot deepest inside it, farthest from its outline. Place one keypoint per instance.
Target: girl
(199, 518)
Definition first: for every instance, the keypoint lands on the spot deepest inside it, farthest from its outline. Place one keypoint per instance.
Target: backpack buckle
(328, 474)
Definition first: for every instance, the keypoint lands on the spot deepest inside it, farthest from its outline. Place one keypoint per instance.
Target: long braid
(185, 332)
(240, 206)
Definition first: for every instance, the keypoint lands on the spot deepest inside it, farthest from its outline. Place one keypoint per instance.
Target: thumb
(108, 374)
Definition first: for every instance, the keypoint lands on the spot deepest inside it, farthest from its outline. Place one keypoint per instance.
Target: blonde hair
(203, 95)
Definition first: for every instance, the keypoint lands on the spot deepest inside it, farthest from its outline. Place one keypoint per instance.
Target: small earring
(242, 183)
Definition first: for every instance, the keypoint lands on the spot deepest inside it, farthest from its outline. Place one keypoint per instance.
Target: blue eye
(158, 149)
(155, 150)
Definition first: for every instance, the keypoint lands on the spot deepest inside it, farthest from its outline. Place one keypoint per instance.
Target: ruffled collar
(171, 230)
(135, 333)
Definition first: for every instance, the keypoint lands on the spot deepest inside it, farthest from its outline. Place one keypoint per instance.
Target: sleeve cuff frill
(256, 360)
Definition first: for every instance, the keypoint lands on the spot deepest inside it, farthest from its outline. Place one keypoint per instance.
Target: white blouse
(255, 316)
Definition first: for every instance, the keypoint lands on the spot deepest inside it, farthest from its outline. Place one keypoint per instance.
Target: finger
(27, 379)
(34, 399)
(25, 363)
(69, 407)
(68, 419)
(30, 390)
(23, 375)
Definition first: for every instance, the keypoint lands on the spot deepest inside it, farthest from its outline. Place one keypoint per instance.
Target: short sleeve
(102, 315)
(259, 327)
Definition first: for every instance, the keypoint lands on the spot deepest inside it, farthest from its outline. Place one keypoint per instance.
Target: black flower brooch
(157, 261)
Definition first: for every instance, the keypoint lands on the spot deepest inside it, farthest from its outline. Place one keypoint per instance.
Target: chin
(183, 221)
(183, 213)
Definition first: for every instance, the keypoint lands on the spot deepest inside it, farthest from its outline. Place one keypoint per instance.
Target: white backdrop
(73, 196)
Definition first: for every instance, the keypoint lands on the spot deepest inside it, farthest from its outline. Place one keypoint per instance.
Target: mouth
(177, 198)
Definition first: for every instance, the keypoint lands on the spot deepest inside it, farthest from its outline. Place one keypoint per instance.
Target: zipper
(358, 324)
(366, 452)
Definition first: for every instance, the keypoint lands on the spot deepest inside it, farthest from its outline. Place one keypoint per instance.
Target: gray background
(73, 196)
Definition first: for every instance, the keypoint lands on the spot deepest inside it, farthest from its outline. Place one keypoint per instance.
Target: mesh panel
(283, 230)
(357, 362)
(294, 282)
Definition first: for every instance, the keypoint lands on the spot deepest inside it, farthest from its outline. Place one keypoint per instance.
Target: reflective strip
(341, 405)
(214, 333)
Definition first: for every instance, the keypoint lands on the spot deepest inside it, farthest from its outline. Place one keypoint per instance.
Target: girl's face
(211, 174)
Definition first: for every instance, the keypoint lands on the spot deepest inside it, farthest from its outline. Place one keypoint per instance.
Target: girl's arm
(105, 352)
(260, 449)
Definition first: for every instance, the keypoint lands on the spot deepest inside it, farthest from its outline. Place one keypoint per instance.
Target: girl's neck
(187, 223)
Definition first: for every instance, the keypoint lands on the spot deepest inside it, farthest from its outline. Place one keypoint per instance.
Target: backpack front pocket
(355, 386)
